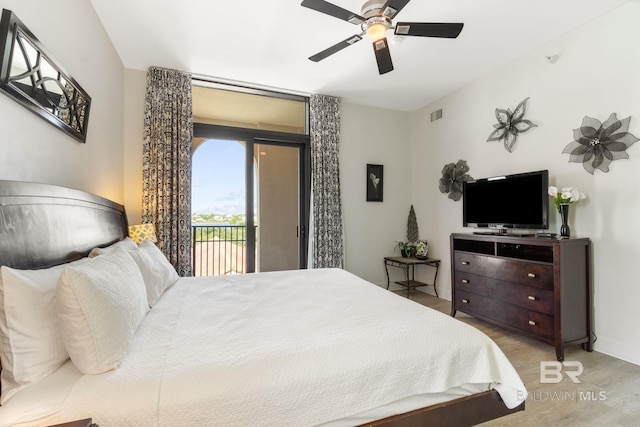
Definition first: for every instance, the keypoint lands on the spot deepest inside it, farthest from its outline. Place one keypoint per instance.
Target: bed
(310, 347)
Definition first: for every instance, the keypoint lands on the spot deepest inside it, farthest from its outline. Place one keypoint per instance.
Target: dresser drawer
(529, 321)
(470, 263)
(528, 297)
(532, 322)
(474, 283)
(521, 272)
(471, 303)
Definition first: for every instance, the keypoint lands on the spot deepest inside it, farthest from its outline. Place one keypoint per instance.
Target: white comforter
(296, 348)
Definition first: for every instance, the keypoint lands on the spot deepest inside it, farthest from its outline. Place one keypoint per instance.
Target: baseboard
(627, 351)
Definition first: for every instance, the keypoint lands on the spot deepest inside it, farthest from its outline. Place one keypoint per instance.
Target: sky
(218, 178)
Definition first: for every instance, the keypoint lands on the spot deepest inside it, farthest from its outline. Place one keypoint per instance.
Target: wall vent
(436, 115)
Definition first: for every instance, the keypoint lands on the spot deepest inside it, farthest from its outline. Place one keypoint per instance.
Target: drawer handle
(531, 275)
(466, 301)
(532, 323)
(465, 262)
(465, 281)
(532, 298)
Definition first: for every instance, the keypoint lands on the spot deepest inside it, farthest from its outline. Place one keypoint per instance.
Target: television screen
(510, 201)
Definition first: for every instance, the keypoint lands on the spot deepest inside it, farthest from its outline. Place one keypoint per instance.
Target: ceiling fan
(375, 19)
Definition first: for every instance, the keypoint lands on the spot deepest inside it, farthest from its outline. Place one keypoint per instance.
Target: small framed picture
(375, 182)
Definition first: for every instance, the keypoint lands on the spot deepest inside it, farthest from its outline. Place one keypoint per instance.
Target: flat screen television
(518, 201)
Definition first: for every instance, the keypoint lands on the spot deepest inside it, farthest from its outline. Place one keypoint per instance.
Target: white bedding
(297, 348)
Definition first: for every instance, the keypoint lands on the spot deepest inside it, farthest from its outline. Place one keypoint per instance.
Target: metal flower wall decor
(510, 124)
(453, 175)
(597, 144)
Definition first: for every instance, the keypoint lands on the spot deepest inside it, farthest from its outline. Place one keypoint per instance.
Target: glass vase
(565, 231)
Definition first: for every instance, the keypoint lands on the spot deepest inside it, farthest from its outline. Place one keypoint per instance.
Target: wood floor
(608, 393)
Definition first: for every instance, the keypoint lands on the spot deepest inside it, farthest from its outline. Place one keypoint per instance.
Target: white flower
(575, 195)
(566, 196)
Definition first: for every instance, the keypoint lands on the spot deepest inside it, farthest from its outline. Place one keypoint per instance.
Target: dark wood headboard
(43, 225)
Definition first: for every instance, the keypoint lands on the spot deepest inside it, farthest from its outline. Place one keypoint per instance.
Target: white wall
(376, 136)
(135, 82)
(597, 73)
(32, 149)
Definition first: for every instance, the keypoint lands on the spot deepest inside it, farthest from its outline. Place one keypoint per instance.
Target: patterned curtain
(326, 243)
(168, 131)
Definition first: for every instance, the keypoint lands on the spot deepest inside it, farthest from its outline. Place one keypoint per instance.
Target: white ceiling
(267, 43)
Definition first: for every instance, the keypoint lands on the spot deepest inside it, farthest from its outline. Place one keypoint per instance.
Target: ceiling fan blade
(393, 7)
(333, 10)
(383, 55)
(429, 29)
(335, 48)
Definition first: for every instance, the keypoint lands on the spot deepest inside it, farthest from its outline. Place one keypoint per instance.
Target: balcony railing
(218, 249)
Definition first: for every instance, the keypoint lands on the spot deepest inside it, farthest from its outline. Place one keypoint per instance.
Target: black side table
(408, 265)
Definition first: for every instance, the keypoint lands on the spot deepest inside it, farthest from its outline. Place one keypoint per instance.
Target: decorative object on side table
(453, 175)
(510, 125)
(30, 75)
(412, 226)
(404, 249)
(597, 144)
(408, 248)
(374, 183)
(412, 231)
(422, 249)
(562, 199)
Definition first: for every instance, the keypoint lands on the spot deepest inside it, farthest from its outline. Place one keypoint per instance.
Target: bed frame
(43, 225)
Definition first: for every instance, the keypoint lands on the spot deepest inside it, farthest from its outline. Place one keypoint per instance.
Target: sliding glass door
(277, 190)
(270, 232)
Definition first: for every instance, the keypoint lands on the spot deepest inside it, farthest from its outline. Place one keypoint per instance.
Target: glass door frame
(257, 136)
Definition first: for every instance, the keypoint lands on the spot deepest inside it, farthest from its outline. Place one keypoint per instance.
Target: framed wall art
(30, 75)
(374, 182)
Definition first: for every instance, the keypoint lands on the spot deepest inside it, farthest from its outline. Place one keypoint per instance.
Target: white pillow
(31, 346)
(126, 243)
(100, 305)
(157, 271)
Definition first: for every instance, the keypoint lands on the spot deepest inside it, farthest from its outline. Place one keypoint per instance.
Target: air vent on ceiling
(436, 115)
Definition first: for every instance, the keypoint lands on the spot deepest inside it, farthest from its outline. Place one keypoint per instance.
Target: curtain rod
(236, 86)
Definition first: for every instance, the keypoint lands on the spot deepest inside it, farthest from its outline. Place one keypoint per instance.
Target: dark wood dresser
(537, 286)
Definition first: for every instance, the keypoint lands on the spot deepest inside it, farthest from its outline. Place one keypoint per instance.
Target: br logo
(551, 372)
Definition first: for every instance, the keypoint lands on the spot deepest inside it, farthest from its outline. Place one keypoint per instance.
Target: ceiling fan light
(376, 31)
